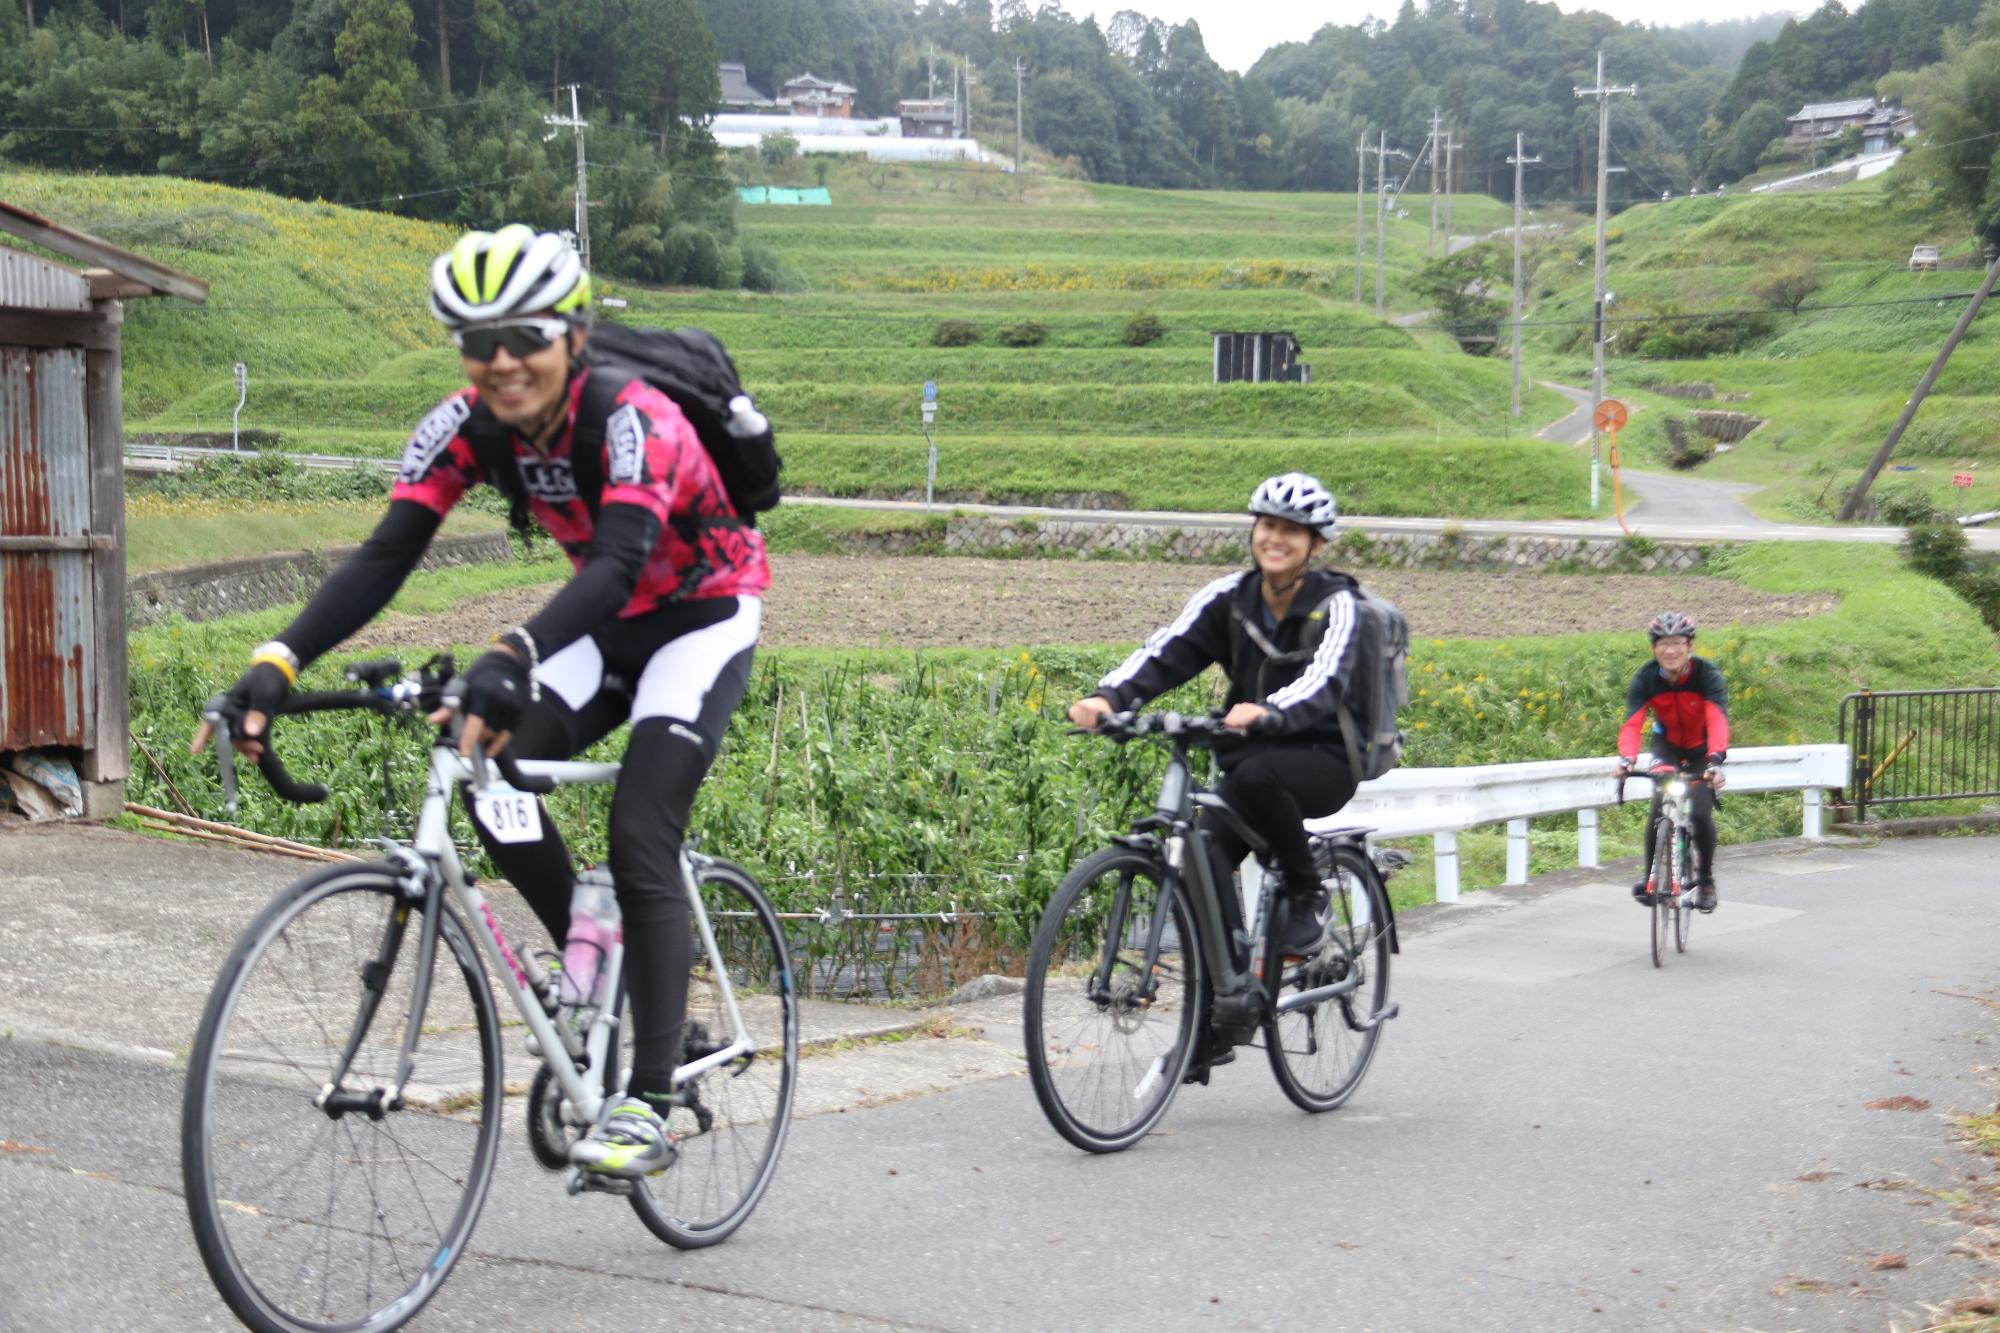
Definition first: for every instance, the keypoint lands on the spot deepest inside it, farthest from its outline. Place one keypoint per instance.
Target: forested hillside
(436, 108)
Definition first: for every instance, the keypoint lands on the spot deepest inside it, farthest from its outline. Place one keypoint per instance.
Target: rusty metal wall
(35, 284)
(46, 657)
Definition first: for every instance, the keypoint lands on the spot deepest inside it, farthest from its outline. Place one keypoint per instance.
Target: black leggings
(1276, 788)
(1701, 806)
(665, 759)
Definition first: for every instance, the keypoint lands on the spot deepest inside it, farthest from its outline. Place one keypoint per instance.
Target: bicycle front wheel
(1661, 880)
(1683, 904)
(348, 1217)
(1113, 999)
(731, 1119)
(1319, 1052)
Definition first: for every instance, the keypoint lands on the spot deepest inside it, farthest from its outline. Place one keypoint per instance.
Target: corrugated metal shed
(35, 284)
(62, 495)
(46, 654)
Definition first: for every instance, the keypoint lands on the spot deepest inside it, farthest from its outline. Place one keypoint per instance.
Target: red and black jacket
(1690, 715)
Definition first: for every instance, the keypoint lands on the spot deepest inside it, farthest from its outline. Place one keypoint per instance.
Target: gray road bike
(343, 1103)
(1144, 976)
(1670, 878)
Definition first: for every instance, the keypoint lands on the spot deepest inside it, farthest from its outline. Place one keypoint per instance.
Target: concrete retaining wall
(205, 592)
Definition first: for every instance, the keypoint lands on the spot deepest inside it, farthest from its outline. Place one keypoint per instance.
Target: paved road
(1663, 500)
(1557, 1136)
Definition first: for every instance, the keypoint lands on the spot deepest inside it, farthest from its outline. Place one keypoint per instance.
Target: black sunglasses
(523, 337)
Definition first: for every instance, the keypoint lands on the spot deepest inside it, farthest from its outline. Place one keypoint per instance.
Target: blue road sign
(930, 391)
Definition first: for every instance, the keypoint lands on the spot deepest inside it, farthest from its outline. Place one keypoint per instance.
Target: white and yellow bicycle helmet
(505, 274)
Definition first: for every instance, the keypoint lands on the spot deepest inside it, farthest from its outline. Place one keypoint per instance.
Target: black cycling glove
(497, 690)
(261, 689)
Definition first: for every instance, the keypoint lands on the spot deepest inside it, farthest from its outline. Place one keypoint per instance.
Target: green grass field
(1830, 379)
(327, 309)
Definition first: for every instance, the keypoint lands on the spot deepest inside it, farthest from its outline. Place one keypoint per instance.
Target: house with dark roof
(1880, 124)
(928, 117)
(810, 95)
(737, 94)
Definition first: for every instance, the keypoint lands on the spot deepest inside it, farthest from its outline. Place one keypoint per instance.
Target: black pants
(1276, 788)
(1701, 809)
(678, 674)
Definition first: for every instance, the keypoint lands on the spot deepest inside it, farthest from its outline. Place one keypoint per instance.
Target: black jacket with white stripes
(1300, 673)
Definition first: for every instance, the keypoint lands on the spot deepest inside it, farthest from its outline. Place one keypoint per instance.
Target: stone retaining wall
(204, 592)
(976, 535)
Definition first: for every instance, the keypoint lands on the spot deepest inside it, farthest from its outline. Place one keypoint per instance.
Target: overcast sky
(1236, 32)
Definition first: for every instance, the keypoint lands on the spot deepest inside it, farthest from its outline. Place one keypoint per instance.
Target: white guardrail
(1444, 802)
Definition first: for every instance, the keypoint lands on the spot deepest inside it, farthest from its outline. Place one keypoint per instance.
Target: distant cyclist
(1285, 634)
(655, 628)
(1690, 731)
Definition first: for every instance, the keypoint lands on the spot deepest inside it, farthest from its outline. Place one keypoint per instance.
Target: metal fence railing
(1907, 746)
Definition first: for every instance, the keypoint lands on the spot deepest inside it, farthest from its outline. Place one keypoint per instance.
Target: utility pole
(1603, 94)
(1518, 161)
(1430, 150)
(1450, 142)
(971, 77)
(575, 124)
(1383, 152)
(1851, 507)
(1360, 184)
(1019, 69)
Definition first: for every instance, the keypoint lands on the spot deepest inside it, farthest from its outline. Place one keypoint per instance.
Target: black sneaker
(1302, 923)
(1704, 896)
(1642, 894)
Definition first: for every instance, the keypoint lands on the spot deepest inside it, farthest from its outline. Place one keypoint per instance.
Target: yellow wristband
(272, 659)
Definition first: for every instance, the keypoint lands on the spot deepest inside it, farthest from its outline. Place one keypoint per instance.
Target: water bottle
(745, 421)
(594, 926)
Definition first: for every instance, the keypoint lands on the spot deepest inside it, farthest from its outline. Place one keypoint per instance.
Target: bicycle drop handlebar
(386, 692)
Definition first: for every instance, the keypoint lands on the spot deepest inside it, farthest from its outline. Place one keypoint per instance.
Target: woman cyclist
(656, 627)
(1690, 707)
(1285, 634)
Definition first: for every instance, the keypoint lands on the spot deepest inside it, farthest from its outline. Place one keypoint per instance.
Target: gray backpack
(1378, 689)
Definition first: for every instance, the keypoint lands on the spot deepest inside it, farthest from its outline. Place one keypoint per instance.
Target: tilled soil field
(953, 602)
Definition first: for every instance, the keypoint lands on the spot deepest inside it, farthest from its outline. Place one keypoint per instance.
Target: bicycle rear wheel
(1661, 880)
(731, 1119)
(1320, 1052)
(350, 1219)
(1110, 1033)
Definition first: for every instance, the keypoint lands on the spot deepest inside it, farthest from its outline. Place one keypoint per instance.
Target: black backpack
(690, 367)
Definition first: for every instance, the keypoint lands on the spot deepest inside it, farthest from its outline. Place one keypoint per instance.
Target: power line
(425, 194)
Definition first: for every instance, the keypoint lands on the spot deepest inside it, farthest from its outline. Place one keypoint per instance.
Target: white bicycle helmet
(505, 274)
(1300, 499)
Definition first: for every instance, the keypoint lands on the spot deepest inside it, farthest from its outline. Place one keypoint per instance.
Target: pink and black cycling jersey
(652, 459)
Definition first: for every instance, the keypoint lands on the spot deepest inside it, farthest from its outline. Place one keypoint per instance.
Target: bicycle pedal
(584, 1182)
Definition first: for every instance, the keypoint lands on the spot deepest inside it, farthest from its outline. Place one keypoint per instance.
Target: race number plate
(510, 816)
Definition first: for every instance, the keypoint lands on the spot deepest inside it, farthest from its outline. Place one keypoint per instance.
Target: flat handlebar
(1195, 729)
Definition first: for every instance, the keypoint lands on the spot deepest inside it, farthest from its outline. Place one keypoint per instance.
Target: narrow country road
(1555, 1136)
(1663, 499)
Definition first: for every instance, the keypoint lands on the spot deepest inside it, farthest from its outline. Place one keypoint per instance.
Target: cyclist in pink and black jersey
(657, 626)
